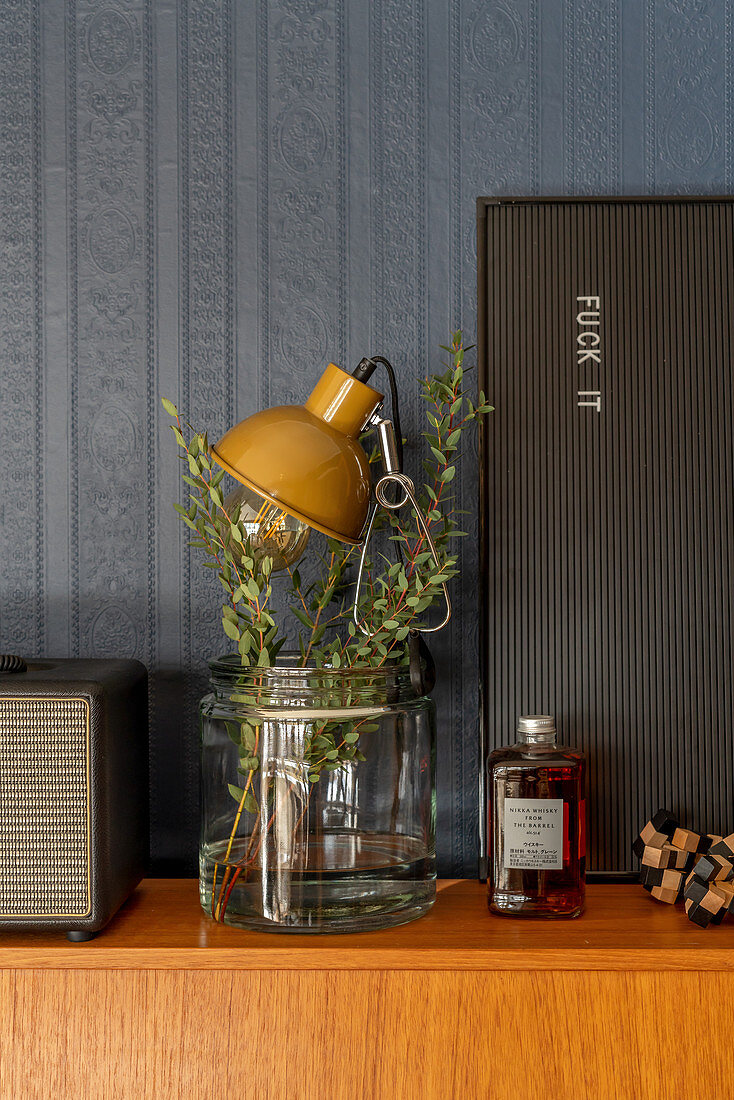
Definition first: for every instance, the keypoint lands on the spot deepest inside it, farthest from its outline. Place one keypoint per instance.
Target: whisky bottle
(537, 824)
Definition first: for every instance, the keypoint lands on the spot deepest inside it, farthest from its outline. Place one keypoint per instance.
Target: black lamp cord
(362, 372)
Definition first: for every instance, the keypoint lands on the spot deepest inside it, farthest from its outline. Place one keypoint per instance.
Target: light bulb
(271, 531)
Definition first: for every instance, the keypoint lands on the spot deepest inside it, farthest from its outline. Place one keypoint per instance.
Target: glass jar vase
(318, 798)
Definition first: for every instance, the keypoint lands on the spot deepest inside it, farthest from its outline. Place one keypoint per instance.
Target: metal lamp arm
(406, 495)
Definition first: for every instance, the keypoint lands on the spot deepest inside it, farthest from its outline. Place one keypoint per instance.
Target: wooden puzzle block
(670, 897)
(713, 901)
(688, 841)
(667, 856)
(651, 876)
(723, 847)
(710, 911)
(695, 890)
(658, 830)
(680, 863)
(657, 857)
(697, 914)
(712, 868)
(726, 891)
(664, 822)
(652, 837)
(671, 887)
(706, 903)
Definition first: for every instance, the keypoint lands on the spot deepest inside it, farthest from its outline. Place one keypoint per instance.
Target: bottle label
(534, 834)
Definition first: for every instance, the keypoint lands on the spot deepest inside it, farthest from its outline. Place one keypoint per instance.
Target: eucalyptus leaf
(233, 731)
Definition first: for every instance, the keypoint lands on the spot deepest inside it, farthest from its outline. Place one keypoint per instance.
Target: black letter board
(607, 498)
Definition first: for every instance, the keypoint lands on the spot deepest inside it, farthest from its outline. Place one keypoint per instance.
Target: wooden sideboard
(629, 1001)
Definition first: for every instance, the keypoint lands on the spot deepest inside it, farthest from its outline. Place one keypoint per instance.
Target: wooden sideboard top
(162, 927)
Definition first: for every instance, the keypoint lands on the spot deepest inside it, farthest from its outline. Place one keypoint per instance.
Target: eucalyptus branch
(245, 577)
(400, 596)
(324, 591)
(396, 595)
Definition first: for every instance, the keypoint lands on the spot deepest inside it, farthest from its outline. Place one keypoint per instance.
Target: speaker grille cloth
(44, 825)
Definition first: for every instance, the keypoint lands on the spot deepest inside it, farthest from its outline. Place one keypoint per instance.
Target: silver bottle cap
(536, 723)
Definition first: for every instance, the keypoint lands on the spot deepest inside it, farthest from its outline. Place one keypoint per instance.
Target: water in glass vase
(339, 881)
(318, 798)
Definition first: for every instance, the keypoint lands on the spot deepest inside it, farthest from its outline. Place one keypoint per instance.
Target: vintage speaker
(73, 791)
(607, 500)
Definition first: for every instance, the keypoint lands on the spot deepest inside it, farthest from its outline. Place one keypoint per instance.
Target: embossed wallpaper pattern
(207, 199)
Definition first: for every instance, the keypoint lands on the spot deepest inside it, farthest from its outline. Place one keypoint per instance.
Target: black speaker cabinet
(73, 792)
(607, 497)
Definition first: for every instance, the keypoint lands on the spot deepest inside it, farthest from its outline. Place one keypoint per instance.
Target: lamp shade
(307, 459)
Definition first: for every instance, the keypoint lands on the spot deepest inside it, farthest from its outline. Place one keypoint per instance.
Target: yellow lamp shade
(307, 459)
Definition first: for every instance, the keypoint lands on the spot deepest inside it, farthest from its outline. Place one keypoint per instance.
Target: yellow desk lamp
(303, 466)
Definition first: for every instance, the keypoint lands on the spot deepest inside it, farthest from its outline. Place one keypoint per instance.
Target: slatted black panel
(609, 536)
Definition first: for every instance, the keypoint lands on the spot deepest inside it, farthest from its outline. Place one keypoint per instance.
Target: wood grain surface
(425, 1012)
(290, 1035)
(163, 927)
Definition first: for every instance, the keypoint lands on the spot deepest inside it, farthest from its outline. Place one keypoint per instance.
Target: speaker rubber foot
(77, 936)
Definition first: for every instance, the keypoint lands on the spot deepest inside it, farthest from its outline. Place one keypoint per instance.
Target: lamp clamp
(387, 438)
(395, 490)
(407, 495)
(393, 476)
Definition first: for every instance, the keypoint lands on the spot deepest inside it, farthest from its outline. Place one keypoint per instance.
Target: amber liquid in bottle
(537, 824)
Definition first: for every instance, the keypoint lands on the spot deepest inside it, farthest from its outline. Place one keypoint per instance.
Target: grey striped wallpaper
(208, 199)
